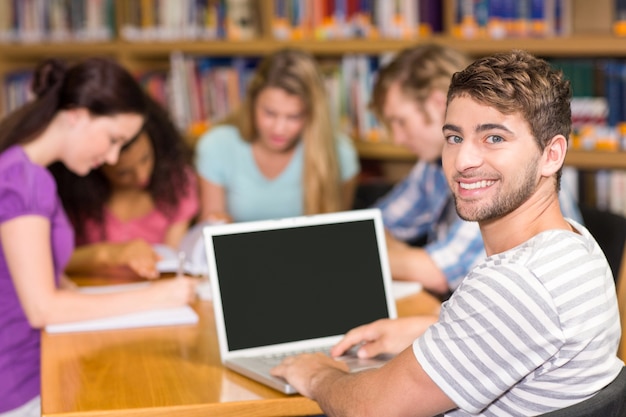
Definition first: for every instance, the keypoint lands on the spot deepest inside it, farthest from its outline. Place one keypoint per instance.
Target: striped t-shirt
(530, 330)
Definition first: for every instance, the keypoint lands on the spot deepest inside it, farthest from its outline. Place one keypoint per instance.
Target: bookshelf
(592, 160)
(591, 37)
(575, 158)
(593, 45)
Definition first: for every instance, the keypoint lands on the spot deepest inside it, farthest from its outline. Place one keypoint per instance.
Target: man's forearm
(335, 392)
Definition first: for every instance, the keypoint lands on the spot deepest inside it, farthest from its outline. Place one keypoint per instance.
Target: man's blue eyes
(490, 139)
(495, 139)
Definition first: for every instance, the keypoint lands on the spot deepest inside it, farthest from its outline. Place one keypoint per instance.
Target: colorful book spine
(499, 19)
(613, 87)
(56, 20)
(16, 90)
(431, 17)
(619, 20)
(348, 19)
(241, 21)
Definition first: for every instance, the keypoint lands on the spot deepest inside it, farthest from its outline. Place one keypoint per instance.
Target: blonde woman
(278, 155)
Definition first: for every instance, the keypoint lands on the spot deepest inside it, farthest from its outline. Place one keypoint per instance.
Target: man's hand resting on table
(385, 336)
(300, 370)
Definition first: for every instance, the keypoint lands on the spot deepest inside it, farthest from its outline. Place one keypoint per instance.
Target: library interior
(196, 57)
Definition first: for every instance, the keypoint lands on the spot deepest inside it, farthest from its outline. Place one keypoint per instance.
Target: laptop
(294, 285)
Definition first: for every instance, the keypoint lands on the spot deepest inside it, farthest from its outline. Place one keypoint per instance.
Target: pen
(181, 264)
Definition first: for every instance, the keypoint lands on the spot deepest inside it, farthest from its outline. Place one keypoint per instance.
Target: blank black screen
(299, 283)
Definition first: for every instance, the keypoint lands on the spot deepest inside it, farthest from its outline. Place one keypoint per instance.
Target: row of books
(189, 19)
(201, 90)
(95, 20)
(599, 103)
(340, 19)
(604, 189)
(604, 78)
(497, 19)
(31, 21)
(16, 89)
(598, 106)
(354, 78)
(198, 91)
(590, 137)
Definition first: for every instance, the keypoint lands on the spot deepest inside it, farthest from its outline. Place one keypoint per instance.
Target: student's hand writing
(389, 336)
(299, 370)
(139, 256)
(174, 292)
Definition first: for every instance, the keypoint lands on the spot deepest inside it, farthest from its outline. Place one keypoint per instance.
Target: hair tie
(48, 76)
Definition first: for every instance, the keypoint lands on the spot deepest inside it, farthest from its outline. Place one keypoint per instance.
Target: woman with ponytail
(279, 154)
(82, 115)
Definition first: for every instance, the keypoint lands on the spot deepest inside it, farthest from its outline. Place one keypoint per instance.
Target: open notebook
(295, 284)
(156, 317)
(192, 248)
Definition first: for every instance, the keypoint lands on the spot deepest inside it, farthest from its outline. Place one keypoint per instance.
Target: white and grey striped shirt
(529, 330)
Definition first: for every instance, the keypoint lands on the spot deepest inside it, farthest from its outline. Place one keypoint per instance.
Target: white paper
(192, 245)
(158, 317)
(401, 289)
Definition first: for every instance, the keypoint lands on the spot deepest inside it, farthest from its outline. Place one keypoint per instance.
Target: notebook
(155, 317)
(295, 284)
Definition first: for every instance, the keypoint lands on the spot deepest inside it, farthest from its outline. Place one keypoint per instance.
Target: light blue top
(224, 158)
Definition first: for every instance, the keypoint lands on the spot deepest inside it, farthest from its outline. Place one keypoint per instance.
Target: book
(241, 22)
(431, 17)
(619, 20)
(157, 317)
(190, 256)
(401, 289)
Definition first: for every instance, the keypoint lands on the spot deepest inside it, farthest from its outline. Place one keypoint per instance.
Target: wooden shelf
(578, 46)
(591, 45)
(580, 159)
(596, 159)
(36, 51)
(383, 151)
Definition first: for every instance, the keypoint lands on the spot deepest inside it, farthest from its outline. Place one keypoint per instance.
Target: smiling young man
(409, 96)
(535, 326)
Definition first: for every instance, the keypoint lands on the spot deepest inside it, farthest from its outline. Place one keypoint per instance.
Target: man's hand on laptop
(385, 336)
(299, 370)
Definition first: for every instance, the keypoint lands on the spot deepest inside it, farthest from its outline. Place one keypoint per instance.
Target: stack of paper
(401, 289)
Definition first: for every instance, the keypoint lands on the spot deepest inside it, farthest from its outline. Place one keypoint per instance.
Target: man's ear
(554, 155)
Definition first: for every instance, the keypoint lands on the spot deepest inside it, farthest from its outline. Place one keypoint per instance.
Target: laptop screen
(298, 283)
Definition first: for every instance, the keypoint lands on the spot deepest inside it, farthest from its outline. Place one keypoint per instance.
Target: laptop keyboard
(276, 359)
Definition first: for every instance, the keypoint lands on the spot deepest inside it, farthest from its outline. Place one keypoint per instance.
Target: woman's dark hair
(84, 197)
(100, 85)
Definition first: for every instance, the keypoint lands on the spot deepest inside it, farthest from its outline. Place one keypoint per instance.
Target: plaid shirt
(421, 205)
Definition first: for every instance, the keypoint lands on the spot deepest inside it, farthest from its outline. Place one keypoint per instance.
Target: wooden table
(163, 371)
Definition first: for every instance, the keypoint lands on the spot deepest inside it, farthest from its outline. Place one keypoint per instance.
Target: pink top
(152, 227)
